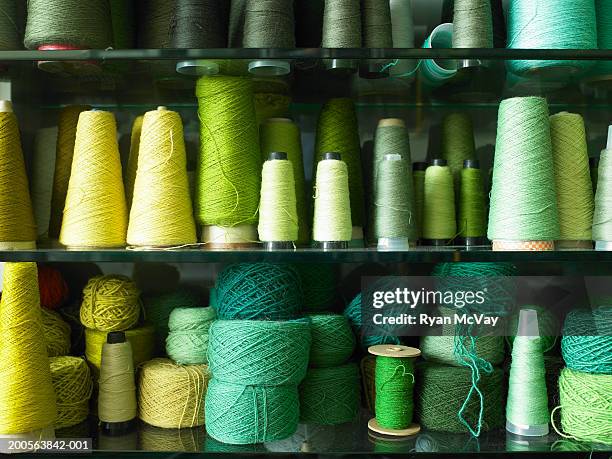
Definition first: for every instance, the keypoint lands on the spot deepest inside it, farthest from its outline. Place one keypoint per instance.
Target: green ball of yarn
(318, 285)
(587, 340)
(259, 291)
(252, 352)
(187, 342)
(330, 396)
(241, 415)
(382, 336)
(547, 324)
(443, 349)
(333, 341)
(442, 390)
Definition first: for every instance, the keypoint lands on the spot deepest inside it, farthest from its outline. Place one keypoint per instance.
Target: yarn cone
(161, 212)
(132, 165)
(17, 227)
(95, 214)
(27, 398)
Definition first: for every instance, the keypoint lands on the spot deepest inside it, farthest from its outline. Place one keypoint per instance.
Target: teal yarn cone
(187, 341)
(586, 345)
(330, 396)
(563, 24)
(457, 143)
(259, 291)
(394, 382)
(333, 341)
(318, 285)
(523, 197)
(381, 336)
(439, 219)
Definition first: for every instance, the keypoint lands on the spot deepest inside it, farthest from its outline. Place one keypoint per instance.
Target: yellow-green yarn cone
(27, 398)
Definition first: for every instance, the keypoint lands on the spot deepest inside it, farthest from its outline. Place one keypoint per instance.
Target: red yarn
(52, 286)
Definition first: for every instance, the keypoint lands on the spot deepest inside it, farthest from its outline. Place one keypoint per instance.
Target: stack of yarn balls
(329, 394)
(257, 357)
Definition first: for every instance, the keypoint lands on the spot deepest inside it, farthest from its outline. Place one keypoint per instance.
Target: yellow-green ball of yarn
(73, 386)
(110, 303)
(57, 333)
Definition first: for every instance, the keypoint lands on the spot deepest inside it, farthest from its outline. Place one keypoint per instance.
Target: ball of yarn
(241, 415)
(330, 396)
(443, 349)
(442, 390)
(586, 405)
(141, 339)
(170, 395)
(110, 303)
(187, 342)
(73, 386)
(333, 341)
(353, 314)
(547, 324)
(251, 352)
(52, 286)
(57, 333)
(587, 340)
(258, 291)
(318, 285)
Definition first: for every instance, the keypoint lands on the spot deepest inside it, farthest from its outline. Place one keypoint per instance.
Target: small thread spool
(341, 29)
(602, 227)
(73, 386)
(278, 219)
(117, 394)
(331, 227)
(435, 72)
(418, 181)
(43, 165)
(394, 385)
(439, 221)
(472, 206)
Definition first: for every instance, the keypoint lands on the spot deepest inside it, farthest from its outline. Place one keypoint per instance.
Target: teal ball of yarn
(380, 336)
(242, 415)
(257, 352)
(547, 324)
(330, 396)
(258, 291)
(333, 341)
(187, 341)
(587, 340)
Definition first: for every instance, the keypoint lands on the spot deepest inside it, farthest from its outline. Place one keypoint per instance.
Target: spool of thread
(338, 131)
(473, 24)
(10, 35)
(472, 216)
(548, 324)
(278, 219)
(439, 220)
(394, 380)
(117, 394)
(282, 134)
(382, 336)
(230, 161)
(587, 340)
(259, 291)
(172, 440)
(171, 396)
(56, 332)
(27, 399)
(110, 303)
(66, 136)
(269, 24)
(341, 29)
(242, 415)
(594, 170)
(187, 341)
(457, 144)
(418, 182)
(95, 214)
(332, 223)
(435, 72)
(318, 285)
(43, 165)
(132, 165)
(602, 229)
(330, 396)
(402, 28)
(53, 288)
(564, 25)
(572, 180)
(259, 353)
(441, 392)
(523, 214)
(141, 339)
(17, 226)
(333, 341)
(200, 24)
(161, 214)
(527, 405)
(395, 225)
(73, 387)
(586, 404)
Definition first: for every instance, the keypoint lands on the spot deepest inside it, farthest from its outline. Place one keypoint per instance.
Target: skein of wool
(10, 35)
(132, 165)
(376, 24)
(17, 227)
(586, 345)
(27, 399)
(142, 341)
(66, 136)
(523, 195)
(41, 188)
(161, 214)
(230, 161)
(56, 332)
(73, 387)
(95, 214)
(473, 24)
(457, 143)
(333, 341)
(53, 288)
(572, 180)
(172, 396)
(187, 341)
